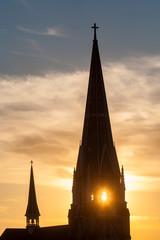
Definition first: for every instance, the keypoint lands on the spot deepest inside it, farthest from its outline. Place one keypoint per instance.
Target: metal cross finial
(95, 27)
(31, 162)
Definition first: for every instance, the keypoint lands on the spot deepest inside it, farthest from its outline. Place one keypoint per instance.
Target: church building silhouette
(98, 210)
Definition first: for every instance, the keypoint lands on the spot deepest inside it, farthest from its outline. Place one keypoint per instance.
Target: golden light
(101, 196)
(104, 197)
(92, 197)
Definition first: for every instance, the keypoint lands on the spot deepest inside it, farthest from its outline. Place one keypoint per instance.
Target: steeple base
(99, 228)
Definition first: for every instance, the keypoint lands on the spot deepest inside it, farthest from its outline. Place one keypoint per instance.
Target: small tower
(32, 212)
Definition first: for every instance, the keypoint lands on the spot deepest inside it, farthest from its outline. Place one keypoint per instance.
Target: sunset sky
(45, 51)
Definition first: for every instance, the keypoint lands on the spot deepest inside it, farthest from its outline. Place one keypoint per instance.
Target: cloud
(34, 114)
(133, 92)
(25, 54)
(42, 119)
(49, 31)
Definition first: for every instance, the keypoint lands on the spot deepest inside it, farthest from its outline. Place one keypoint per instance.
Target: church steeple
(32, 212)
(99, 209)
(97, 143)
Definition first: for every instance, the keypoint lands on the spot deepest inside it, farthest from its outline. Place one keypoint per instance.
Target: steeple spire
(32, 212)
(97, 143)
(98, 189)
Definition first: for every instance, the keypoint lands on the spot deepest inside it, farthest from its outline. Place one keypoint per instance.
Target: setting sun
(104, 197)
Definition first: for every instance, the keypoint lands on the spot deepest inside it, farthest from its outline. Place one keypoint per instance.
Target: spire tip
(31, 162)
(95, 28)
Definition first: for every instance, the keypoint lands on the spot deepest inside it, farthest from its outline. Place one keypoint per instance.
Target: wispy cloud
(45, 105)
(133, 91)
(48, 32)
(35, 56)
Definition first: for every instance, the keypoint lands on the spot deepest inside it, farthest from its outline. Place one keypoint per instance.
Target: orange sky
(42, 119)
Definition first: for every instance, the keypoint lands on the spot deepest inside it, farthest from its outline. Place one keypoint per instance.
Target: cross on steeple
(95, 28)
(31, 162)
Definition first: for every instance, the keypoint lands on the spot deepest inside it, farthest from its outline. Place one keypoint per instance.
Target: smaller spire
(32, 212)
(95, 28)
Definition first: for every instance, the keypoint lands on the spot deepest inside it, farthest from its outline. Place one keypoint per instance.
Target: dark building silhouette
(98, 210)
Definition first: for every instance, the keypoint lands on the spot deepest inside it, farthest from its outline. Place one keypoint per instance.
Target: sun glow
(104, 197)
(100, 196)
(92, 197)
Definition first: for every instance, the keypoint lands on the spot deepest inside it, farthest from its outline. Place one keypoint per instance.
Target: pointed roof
(32, 208)
(97, 134)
